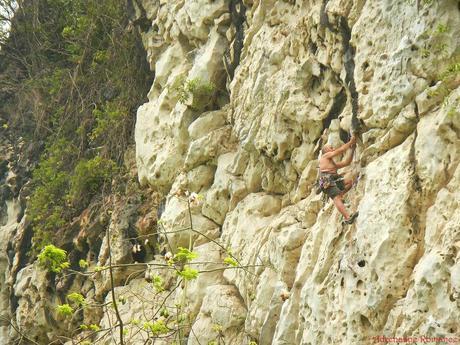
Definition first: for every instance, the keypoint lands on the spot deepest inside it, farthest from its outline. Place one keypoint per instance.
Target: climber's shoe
(351, 219)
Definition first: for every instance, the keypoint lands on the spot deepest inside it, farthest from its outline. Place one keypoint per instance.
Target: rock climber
(333, 184)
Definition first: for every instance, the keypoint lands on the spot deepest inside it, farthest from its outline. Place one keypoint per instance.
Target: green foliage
(92, 327)
(230, 261)
(122, 299)
(164, 312)
(100, 268)
(53, 259)
(109, 118)
(442, 28)
(59, 193)
(435, 41)
(188, 273)
(88, 178)
(158, 283)
(83, 263)
(76, 299)
(451, 71)
(252, 342)
(184, 255)
(452, 112)
(47, 204)
(217, 328)
(157, 328)
(195, 93)
(64, 310)
(72, 74)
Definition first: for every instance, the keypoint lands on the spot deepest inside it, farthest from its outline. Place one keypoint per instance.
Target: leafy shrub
(64, 310)
(88, 178)
(157, 328)
(53, 259)
(184, 255)
(61, 191)
(158, 283)
(195, 93)
(112, 125)
(51, 182)
(76, 299)
(61, 60)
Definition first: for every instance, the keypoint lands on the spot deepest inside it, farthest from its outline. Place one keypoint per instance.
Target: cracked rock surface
(306, 66)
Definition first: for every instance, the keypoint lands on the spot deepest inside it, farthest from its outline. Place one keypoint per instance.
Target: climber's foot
(351, 219)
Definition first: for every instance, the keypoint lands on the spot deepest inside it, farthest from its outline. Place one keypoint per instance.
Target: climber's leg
(340, 206)
(347, 184)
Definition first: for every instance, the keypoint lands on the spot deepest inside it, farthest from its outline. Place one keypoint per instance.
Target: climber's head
(327, 148)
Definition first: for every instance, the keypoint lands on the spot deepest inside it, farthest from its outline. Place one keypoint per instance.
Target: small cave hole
(343, 135)
(432, 83)
(365, 65)
(315, 82)
(361, 263)
(313, 48)
(342, 282)
(365, 321)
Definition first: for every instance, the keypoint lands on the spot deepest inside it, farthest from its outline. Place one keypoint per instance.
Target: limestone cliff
(275, 75)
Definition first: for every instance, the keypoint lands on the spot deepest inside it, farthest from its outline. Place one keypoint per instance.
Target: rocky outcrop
(378, 67)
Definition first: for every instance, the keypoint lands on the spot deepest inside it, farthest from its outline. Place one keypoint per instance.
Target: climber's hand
(353, 141)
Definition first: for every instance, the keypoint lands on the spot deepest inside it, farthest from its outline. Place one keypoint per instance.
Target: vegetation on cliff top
(72, 74)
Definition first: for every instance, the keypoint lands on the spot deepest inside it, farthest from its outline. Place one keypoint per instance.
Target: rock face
(389, 68)
(245, 94)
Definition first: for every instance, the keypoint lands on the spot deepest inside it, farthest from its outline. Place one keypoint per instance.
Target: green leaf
(230, 261)
(188, 273)
(83, 263)
(76, 298)
(94, 328)
(184, 255)
(157, 327)
(64, 310)
(158, 283)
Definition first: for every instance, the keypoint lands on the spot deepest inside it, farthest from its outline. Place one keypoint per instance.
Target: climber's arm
(346, 161)
(341, 149)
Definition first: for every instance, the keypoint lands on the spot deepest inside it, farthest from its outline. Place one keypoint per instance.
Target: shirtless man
(337, 186)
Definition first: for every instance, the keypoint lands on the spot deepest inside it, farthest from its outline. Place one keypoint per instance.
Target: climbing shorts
(332, 184)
